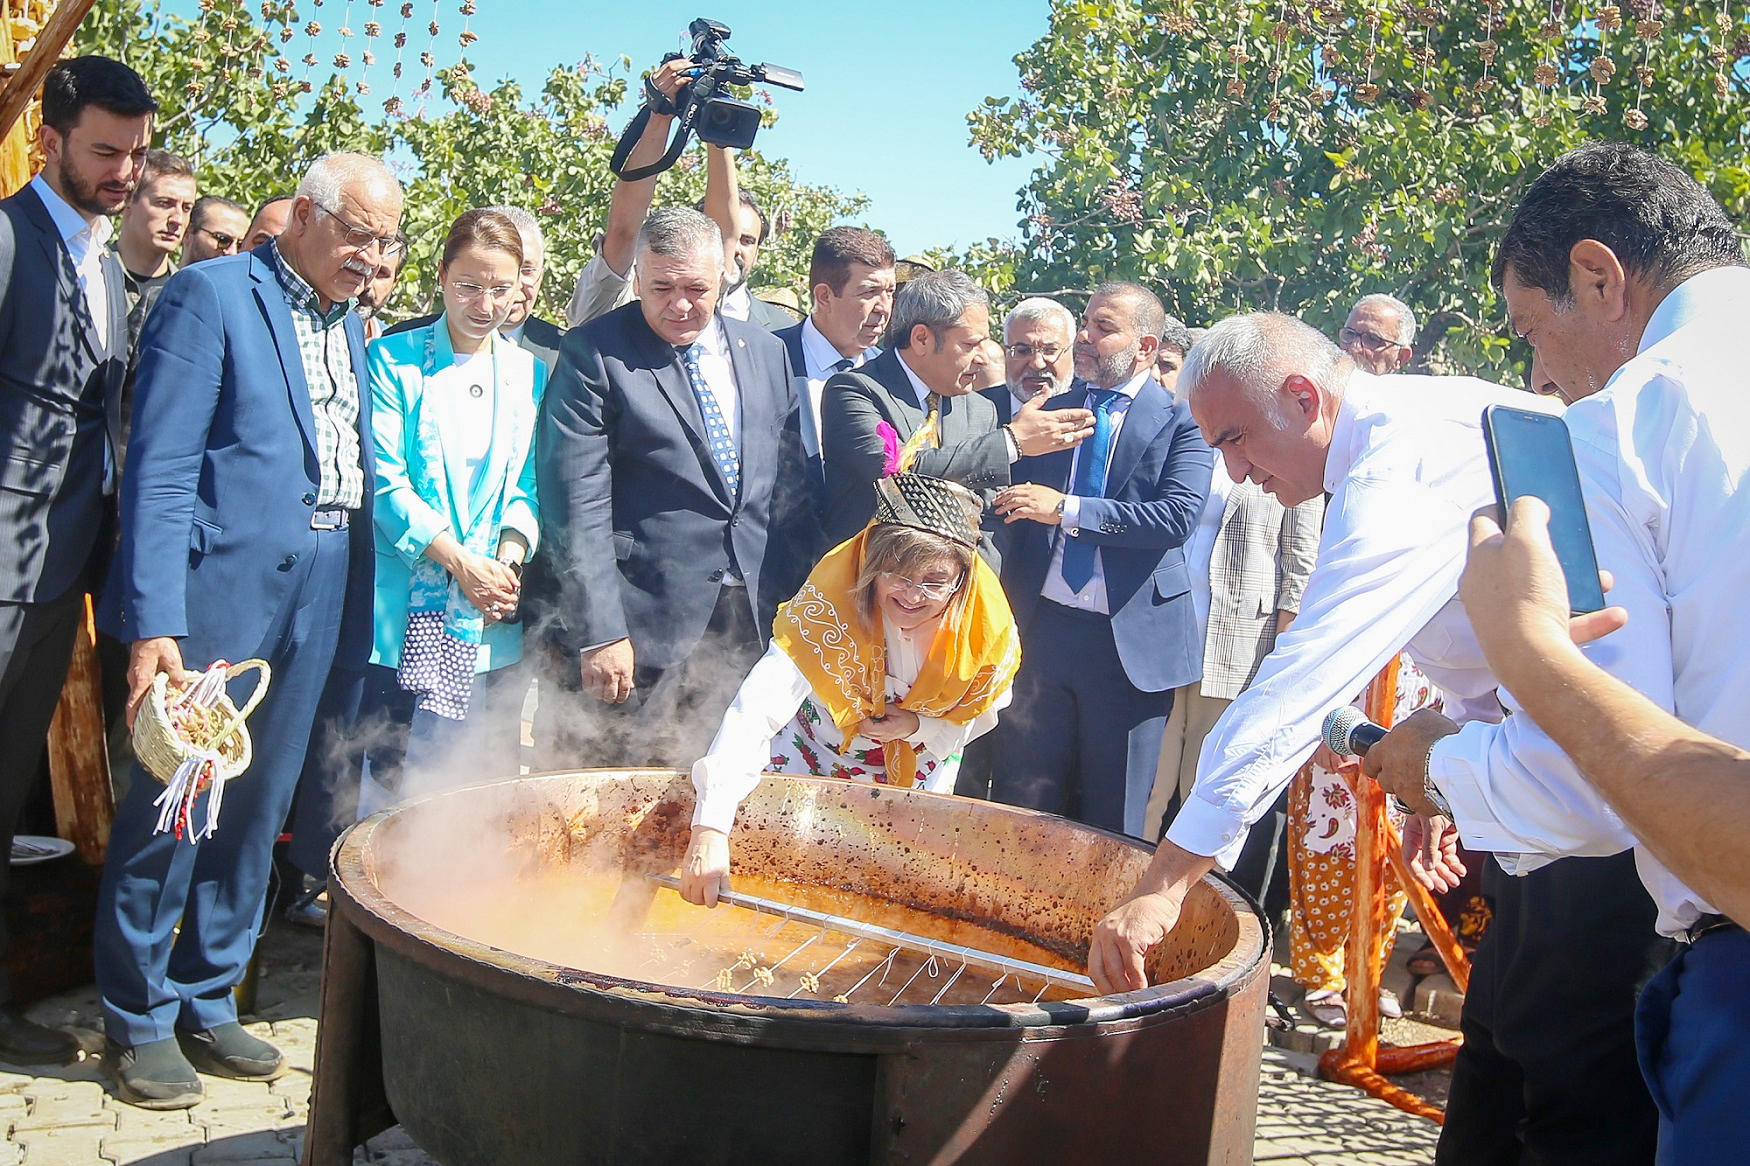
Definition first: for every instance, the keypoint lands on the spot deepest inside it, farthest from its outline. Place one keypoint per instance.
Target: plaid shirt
(334, 390)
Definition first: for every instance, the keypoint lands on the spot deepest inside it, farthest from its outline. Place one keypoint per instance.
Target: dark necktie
(1078, 556)
(716, 428)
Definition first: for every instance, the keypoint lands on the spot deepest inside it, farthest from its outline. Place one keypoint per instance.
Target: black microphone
(1348, 732)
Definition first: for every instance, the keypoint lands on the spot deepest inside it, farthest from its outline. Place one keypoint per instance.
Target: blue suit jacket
(1155, 486)
(222, 472)
(792, 338)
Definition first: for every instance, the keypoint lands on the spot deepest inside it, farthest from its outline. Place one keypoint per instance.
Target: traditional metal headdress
(933, 504)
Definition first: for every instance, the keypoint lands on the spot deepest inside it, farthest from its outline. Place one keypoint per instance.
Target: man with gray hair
(1380, 334)
(522, 326)
(246, 532)
(1096, 576)
(1038, 354)
(925, 377)
(674, 507)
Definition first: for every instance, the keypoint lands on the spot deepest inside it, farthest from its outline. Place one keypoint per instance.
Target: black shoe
(25, 1042)
(154, 1075)
(229, 1051)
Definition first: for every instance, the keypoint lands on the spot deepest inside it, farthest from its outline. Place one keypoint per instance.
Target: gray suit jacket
(973, 452)
(1258, 567)
(638, 524)
(60, 402)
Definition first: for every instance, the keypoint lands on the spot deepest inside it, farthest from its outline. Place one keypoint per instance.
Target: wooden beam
(79, 752)
(47, 49)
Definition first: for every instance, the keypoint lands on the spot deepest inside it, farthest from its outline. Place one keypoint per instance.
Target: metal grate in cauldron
(934, 958)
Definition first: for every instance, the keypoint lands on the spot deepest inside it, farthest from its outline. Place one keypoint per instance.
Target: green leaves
(1296, 157)
(479, 146)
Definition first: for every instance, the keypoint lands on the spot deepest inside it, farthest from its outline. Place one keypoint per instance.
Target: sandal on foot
(1327, 1008)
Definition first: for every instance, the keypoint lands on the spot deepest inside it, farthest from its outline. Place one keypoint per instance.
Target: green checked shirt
(334, 390)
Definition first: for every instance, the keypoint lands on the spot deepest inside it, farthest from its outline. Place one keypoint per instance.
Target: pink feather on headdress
(889, 448)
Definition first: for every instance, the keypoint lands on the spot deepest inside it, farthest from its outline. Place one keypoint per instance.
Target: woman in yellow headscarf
(898, 650)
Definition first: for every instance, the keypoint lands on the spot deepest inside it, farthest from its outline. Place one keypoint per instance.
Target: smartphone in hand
(1531, 453)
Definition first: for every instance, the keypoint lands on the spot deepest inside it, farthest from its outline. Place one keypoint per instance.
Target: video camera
(703, 107)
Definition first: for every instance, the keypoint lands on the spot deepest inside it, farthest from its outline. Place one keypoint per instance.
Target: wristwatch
(1429, 790)
(516, 567)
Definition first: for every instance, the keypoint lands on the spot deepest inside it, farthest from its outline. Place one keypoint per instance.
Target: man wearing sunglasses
(216, 227)
(1380, 334)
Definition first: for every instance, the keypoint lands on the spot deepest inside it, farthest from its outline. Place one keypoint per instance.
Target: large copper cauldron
(491, 1058)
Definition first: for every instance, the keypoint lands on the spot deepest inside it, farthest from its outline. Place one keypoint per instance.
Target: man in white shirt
(851, 277)
(1402, 460)
(1096, 576)
(1626, 276)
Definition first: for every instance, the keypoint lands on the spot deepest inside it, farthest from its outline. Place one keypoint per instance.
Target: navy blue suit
(218, 551)
(792, 338)
(1083, 735)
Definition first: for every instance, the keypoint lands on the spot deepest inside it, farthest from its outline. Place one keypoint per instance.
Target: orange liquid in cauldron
(572, 919)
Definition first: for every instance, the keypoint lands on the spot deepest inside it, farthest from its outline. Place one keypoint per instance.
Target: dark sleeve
(980, 462)
(852, 454)
(1166, 520)
(796, 503)
(176, 393)
(574, 470)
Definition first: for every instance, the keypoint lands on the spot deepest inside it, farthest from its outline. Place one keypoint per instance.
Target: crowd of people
(1106, 567)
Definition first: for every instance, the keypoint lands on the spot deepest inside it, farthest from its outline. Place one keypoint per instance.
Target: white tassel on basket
(198, 772)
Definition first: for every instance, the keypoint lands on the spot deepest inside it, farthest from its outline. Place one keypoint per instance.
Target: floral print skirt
(812, 744)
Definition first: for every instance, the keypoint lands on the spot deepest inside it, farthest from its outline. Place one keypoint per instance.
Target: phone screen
(1531, 453)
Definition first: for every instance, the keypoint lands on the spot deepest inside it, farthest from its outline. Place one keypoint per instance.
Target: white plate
(29, 849)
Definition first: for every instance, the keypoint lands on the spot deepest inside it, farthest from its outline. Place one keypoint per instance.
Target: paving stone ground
(68, 1116)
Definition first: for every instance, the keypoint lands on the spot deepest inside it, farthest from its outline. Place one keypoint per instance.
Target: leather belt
(1705, 924)
(330, 518)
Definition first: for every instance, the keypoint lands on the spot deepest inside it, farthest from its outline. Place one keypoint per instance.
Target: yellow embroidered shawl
(971, 661)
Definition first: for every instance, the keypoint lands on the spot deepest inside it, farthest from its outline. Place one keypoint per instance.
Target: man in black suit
(940, 320)
(1097, 578)
(673, 509)
(63, 354)
(522, 326)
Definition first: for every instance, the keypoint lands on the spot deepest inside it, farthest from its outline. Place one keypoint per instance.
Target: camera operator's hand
(671, 79)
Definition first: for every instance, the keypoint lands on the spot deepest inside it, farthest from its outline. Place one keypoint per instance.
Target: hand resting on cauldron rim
(1130, 930)
(705, 869)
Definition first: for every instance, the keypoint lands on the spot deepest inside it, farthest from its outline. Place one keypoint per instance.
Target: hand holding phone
(1530, 453)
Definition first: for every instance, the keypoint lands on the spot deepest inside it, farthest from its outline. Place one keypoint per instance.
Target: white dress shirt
(1405, 471)
(466, 414)
(820, 361)
(719, 375)
(1200, 550)
(770, 697)
(1663, 452)
(1092, 596)
(87, 243)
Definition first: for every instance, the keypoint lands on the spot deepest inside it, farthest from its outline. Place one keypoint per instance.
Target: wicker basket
(162, 750)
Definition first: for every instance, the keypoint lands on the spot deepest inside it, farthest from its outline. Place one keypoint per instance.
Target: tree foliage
(1295, 155)
(235, 106)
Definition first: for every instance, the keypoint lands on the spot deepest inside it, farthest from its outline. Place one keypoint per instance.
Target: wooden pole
(21, 90)
(79, 752)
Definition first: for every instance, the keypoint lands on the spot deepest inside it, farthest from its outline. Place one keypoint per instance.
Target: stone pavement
(67, 1117)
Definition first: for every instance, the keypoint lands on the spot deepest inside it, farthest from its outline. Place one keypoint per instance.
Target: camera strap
(629, 141)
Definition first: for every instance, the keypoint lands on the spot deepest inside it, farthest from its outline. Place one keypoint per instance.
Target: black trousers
(672, 714)
(36, 642)
(1547, 1074)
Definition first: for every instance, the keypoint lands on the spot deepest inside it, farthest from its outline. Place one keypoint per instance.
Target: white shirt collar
(714, 340)
(738, 304)
(819, 352)
(69, 222)
(1129, 388)
(917, 386)
(1707, 292)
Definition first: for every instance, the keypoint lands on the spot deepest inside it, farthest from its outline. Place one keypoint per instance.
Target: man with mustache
(1038, 355)
(63, 354)
(246, 532)
(1097, 578)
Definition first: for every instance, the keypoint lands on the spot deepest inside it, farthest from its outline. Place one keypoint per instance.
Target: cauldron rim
(738, 1016)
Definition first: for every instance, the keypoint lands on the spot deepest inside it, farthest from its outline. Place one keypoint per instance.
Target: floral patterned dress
(1321, 859)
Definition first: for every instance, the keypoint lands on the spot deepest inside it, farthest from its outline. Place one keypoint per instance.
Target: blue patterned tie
(716, 428)
(1078, 556)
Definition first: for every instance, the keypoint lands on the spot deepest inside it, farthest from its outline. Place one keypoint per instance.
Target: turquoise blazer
(405, 523)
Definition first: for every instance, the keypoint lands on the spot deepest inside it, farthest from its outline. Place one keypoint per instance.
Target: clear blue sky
(889, 85)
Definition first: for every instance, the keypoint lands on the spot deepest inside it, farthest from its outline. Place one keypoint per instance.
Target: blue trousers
(154, 978)
(1079, 739)
(1692, 1028)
